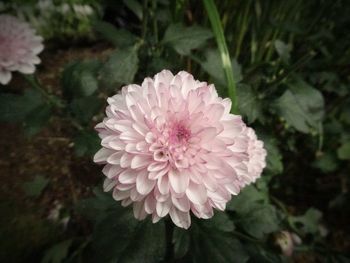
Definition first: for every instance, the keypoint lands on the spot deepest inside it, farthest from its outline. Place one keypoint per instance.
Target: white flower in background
(19, 47)
(65, 8)
(83, 10)
(44, 5)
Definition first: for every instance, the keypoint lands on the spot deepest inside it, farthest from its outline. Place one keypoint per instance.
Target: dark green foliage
(309, 222)
(30, 109)
(254, 214)
(120, 68)
(274, 164)
(85, 108)
(79, 79)
(35, 187)
(344, 151)
(302, 107)
(250, 105)
(15, 108)
(181, 241)
(57, 253)
(184, 39)
(86, 143)
(118, 236)
(119, 37)
(210, 242)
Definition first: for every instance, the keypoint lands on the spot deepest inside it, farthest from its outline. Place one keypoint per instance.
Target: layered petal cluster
(171, 146)
(19, 47)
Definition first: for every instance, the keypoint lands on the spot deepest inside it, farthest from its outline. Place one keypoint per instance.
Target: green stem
(243, 29)
(34, 83)
(52, 100)
(154, 18)
(144, 19)
(285, 211)
(225, 56)
(245, 237)
(320, 136)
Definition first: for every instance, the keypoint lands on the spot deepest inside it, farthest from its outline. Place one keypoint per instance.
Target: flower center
(179, 134)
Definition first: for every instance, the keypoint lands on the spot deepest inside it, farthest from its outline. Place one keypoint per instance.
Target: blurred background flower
(19, 47)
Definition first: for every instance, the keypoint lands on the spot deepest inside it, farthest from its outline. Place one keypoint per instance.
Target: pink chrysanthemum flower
(19, 47)
(171, 146)
(257, 155)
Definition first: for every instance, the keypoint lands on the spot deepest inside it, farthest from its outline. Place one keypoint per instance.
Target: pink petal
(111, 171)
(139, 211)
(102, 155)
(163, 208)
(150, 204)
(115, 158)
(179, 180)
(181, 203)
(197, 193)
(163, 184)
(108, 184)
(120, 195)
(181, 219)
(140, 161)
(143, 184)
(128, 176)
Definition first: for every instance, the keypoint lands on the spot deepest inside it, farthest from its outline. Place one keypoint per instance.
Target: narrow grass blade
(225, 56)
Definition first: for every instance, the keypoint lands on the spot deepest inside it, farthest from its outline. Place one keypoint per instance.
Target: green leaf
(119, 237)
(249, 105)
(262, 254)
(259, 219)
(309, 222)
(86, 143)
(327, 162)
(58, 252)
(214, 67)
(274, 163)
(30, 108)
(135, 7)
(344, 151)
(35, 187)
(37, 119)
(15, 108)
(119, 37)
(79, 79)
(301, 106)
(209, 243)
(148, 243)
(283, 50)
(220, 221)
(184, 39)
(95, 208)
(120, 68)
(254, 214)
(85, 108)
(181, 241)
(247, 197)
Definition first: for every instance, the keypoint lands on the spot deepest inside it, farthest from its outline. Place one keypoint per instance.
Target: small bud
(285, 241)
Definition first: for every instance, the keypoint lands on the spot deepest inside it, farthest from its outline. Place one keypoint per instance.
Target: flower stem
(34, 83)
(154, 18)
(144, 19)
(245, 237)
(225, 56)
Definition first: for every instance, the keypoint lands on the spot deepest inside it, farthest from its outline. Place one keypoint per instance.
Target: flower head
(171, 146)
(19, 47)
